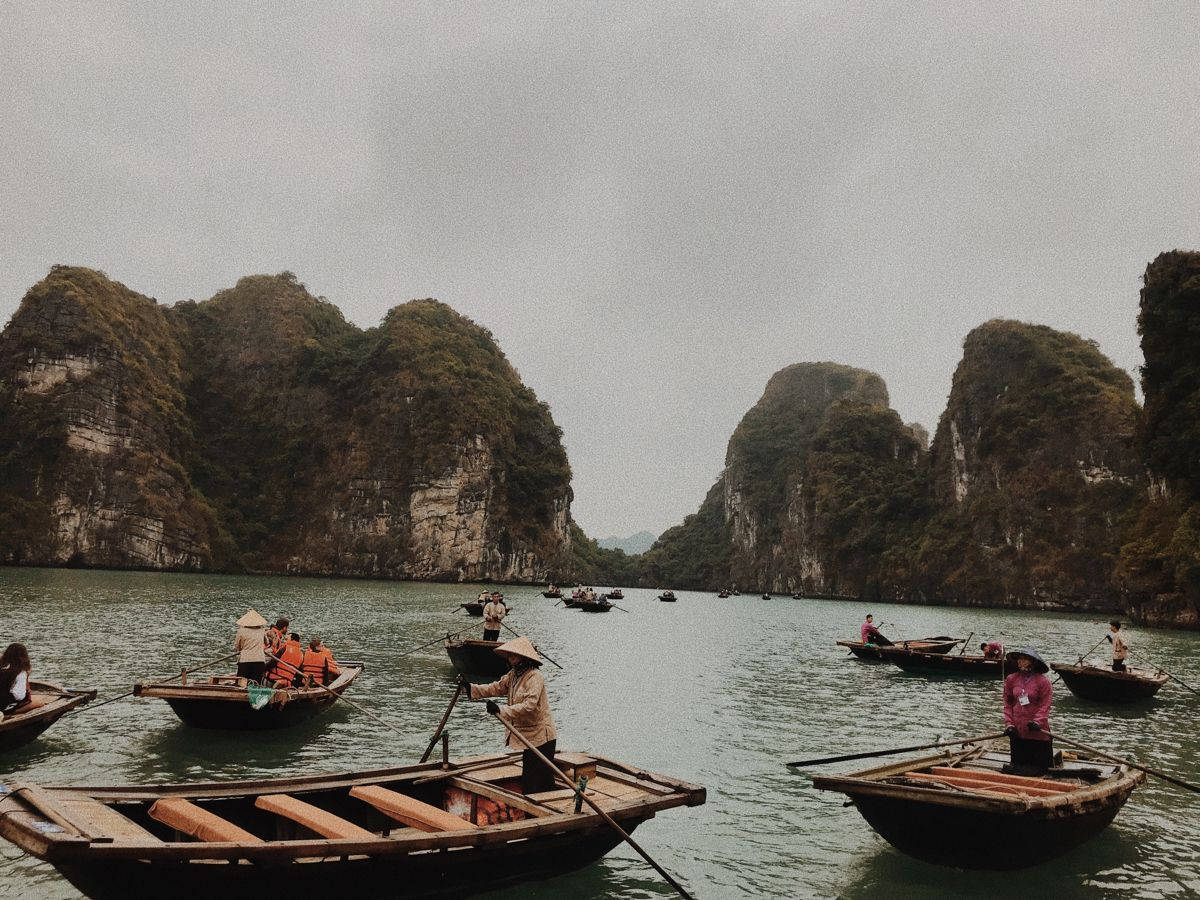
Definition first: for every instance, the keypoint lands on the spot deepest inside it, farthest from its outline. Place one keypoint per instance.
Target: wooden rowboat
(599, 605)
(223, 701)
(960, 809)
(922, 663)
(940, 644)
(19, 728)
(553, 595)
(414, 831)
(1095, 683)
(477, 660)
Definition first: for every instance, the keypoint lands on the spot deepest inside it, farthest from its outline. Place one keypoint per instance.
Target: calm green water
(719, 692)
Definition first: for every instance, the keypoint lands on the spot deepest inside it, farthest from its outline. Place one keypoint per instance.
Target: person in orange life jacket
(1027, 697)
(287, 670)
(15, 668)
(277, 636)
(319, 664)
(527, 712)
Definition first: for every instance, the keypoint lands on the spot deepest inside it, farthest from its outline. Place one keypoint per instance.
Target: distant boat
(963, 810)
(615, 594)
(667, 596)
(766, 596)
(1105, 685)
(555, 594)
(940, 644)
(19, 728)
(723, 594)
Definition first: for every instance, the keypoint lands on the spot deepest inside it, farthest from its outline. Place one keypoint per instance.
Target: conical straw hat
(521, 646)
(252, 620)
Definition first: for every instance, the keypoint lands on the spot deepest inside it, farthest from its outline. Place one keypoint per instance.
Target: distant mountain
(635, 543)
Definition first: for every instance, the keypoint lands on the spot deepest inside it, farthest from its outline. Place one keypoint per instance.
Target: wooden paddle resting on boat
(223, 701)
(960, 809)
(1095, 683)
(939, 644)
(19, 728)
(366, 834)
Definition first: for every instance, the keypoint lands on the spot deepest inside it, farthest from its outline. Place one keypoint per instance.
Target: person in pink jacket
(872, 635)
(1027, 697)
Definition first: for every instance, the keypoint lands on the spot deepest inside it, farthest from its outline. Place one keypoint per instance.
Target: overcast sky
(652, 206)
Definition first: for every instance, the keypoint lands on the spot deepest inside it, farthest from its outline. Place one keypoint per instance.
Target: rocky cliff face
(1035, 473)
(259, 430)
(92, 433)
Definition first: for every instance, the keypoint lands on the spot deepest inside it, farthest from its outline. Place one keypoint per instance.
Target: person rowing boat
(528, 710)
(872, 635)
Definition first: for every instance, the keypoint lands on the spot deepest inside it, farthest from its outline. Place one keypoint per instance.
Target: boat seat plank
(185, 816)
(313, 818)
(409, 810)
(103, 819)
(1006, 778)
(991, 790)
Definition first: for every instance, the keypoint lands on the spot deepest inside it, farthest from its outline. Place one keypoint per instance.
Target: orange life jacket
(315, 663)
(292, 654)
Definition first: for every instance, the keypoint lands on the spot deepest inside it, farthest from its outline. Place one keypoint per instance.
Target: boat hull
(944, 664)
(1105, 686)
(477, 660)
(19, 730)
(875, 653)
(460, 873)
(972, 839)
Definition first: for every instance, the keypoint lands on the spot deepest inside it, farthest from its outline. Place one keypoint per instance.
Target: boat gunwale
(66, 701)
(67, 847)
(1127, 677)
(226, 693)
(868, 782)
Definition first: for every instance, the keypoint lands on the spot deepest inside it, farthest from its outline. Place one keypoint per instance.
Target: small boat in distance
(19, 728)
(433, 829)
(959, 808)
(723, 594)
(225, 701)
(553, 594)
(1105, 685)
(940, 644)
(615, 594)
(667, 596)
(594, 604)
(766, 596)
(476, 660)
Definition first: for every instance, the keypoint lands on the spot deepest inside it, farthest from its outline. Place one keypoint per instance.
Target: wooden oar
(1165, 672)
(1090, 652)
(588, 800)
(437, 640)
(164, 680)
(849, 756)
(442, 724)
(539, 649)
(362, 709)
(621, 608)
(1157, 774)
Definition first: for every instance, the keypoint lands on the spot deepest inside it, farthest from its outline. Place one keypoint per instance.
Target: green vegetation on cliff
(694, 554)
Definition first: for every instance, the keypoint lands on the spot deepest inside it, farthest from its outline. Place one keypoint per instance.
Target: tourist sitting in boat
(494, 612)
(250, 646)
(286, 667)
(992, 650)
(528, 710)
(872, 635)
(276, 636)
(1120, 648)
(1027, 696)
(15, 668)
(319, 664)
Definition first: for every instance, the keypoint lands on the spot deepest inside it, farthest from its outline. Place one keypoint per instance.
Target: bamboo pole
(205, 665)
(849, 756)
(436, 640)
(539, 649)
(442, 724)
(590, 802)
(1182, 684)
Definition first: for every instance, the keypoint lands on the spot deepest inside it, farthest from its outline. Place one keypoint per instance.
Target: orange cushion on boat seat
(408, 810)
(186, 816)
(312, 817)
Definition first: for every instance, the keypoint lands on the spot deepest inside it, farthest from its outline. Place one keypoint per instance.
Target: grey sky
(653, 207)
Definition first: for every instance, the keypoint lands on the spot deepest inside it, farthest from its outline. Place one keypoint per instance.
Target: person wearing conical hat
(528, 710)
(1027, 697)
(252, 655)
